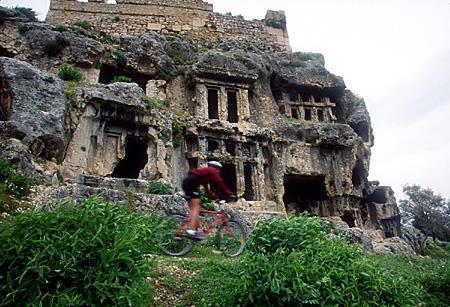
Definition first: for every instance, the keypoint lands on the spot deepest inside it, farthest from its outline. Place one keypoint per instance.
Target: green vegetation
(28, 12)
(84, 24)
(428, 212)
(91, 254)
(177, 133)
(121, 79)
(14, 187)
(69, 73)
(23, 28)
(160, 188)
(153, 103)
(54, 46)
(60, 28)
(207, 203)
(105, 254)
(121, 58)
(174, 54)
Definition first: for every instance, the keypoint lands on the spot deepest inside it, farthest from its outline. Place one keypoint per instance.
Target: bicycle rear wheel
(231, 238)
(167, 238)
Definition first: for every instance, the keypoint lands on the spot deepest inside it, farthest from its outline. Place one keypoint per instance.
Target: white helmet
(215, 164)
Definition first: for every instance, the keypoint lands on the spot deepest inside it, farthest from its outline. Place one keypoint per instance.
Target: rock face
(34, 104)
(290, 135)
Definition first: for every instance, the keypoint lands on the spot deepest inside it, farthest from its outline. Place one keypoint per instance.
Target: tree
(28, 12)
(428, 212)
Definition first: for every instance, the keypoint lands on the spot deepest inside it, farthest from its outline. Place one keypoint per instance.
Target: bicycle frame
(222, 218)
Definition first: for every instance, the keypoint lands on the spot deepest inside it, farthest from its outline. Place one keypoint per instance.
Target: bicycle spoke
(168, 240)
(231, 239)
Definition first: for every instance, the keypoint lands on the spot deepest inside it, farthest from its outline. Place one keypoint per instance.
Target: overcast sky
(395, 54)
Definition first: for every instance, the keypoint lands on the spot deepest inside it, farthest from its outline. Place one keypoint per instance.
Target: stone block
(154, 26)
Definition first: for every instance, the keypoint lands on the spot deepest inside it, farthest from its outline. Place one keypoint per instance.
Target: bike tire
(231, 239)
(170, 244)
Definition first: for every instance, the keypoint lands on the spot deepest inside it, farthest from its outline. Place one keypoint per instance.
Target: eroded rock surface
(291, 136)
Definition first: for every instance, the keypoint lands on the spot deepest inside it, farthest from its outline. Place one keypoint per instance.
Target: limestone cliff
(291, 137)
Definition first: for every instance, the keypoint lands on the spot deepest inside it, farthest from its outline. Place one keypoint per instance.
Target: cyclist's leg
(191, 186)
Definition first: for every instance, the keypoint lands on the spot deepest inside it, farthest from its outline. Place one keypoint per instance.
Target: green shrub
(55, 46)
(296, 262)
(174, 54)
(23, 28)
(69, 73)
(160, 188)
(153, 103)
(28, 12)
(92, 254)
(437, 285)
(121, 58)
(60, 28)
(83, 24)
(121, 79)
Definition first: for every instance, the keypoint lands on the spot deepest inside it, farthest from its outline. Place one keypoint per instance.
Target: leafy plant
(69, 73)
(295, 262)
(174, 54)
(121, 79)
(23, 28)
(160, 188)
(177, 133)
(121, 58)
(92, 254)
(83, 24)
(207, 203)
(55, 46)
(153, 103)
(28, 12)
(60, 28)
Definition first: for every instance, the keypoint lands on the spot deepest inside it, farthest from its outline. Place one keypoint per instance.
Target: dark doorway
(108, 73)
(230, 147)
(213, 103)
(307, 114)
(191, 143)
(135, 158)
(213, 145)
(303, 191)
(232, 106)
(294, 112)
(249, 193)
(320, 115)
(229, 176)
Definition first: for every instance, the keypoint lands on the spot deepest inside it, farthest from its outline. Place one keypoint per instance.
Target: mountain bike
(230, 235)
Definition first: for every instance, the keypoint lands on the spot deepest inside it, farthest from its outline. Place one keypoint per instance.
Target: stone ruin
(190, 18)
(290, 135)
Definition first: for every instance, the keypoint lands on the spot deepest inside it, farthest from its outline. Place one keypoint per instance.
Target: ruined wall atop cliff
(191, 18)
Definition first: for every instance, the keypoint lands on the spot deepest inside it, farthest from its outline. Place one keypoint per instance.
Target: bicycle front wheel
(231, 239)
(167, 238)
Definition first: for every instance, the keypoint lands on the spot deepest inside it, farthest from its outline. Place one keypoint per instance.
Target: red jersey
(211, 175)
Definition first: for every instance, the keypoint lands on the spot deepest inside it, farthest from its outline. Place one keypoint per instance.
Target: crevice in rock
(348, 218)
(5, 101)
(363, 130)
(5, 53)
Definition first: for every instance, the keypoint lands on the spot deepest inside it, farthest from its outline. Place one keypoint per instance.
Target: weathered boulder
(394, 245)
(34, 104)
(118, 93)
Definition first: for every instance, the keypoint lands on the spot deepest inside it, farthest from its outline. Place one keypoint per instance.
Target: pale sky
(395, 54)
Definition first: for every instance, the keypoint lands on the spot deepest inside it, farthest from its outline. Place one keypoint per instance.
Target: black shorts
(190, 187)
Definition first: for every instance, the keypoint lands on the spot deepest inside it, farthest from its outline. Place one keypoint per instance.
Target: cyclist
(203, 176)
